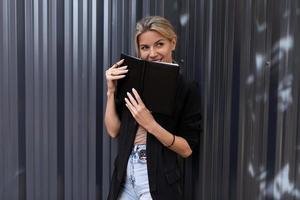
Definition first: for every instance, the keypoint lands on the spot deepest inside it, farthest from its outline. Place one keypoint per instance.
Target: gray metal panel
(2, 27)
(52, 103)
(106, 143)
(80, 115)
(32, 135)
(9, 188)
(67, 97)
(53, 55)
(28, 99)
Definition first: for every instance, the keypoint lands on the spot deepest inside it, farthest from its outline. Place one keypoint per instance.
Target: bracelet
(172, 142)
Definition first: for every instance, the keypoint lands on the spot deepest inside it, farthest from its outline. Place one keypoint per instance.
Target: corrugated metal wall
(243, 53)
(48, 99)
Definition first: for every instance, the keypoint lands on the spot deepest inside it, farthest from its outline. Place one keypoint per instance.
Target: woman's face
(154, 47)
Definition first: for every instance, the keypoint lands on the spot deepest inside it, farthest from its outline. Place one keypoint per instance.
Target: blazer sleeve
(190, 123)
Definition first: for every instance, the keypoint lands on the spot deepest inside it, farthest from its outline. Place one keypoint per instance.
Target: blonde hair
(154, 23)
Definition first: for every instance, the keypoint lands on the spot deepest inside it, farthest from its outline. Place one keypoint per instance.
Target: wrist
(110, 92)
(152, 128)
(173, 141)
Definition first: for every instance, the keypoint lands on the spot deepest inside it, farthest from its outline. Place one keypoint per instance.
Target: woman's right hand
(114, 73)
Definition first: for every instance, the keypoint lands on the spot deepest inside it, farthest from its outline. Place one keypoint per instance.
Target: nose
(153, 53)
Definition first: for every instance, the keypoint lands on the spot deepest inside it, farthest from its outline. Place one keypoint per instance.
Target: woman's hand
(114, 73)
(139, 111)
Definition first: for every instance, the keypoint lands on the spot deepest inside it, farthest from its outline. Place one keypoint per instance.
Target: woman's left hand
(139, 111)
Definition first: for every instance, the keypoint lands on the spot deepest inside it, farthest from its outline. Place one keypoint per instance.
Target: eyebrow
(160, 40)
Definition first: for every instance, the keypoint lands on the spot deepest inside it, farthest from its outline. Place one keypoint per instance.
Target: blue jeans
(136, 186)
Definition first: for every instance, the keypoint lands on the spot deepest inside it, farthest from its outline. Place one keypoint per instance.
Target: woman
(150, 144)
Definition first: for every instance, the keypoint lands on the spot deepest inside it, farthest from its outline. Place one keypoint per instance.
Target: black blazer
(163, 165)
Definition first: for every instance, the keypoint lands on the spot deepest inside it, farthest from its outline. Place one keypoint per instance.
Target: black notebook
(156, 83)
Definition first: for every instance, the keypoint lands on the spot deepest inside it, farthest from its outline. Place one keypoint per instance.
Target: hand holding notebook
(156, 83)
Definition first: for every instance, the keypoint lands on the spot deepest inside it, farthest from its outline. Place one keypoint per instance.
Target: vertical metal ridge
(107, 54)
(53, 56)
(92, 103)
(4, 95)
(68, 104)
(44, 48)
(61, 108)
(53, 101)
(75, 99)
(37, 101)
(29, 55)
(9, 103)
(20, 9)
